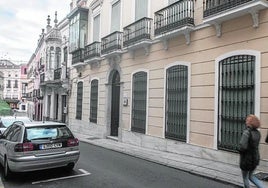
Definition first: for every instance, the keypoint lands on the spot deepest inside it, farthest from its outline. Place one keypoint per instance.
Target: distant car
(6, 121)
(37, 146)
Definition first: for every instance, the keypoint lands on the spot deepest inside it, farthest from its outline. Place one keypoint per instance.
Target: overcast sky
(22, 23)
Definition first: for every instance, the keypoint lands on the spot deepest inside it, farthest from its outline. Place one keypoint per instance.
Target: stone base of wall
(87, 128)
(178, 147)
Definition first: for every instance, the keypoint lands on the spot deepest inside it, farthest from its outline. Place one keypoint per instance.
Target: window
(51, 54)
(78, 29)
(139, 102)
(116, 16)
(94, 101)
(9, 84)
(65, 55)
(58, 57)
(96, 28)
(79, 100)
(16, 84)
(141, 9)
(236, 98)
(176, 102)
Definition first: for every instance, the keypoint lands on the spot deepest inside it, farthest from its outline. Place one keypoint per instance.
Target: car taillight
(72, 142)
(27, 146)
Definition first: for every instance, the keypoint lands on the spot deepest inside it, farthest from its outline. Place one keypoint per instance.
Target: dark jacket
(249, 149)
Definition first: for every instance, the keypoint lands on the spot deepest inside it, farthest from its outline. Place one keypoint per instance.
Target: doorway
(115, 103)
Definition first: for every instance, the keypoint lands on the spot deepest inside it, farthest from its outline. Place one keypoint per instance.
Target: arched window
(139, 102)
(94, 101)
(236, 98)
(176, 103)
(79, 100)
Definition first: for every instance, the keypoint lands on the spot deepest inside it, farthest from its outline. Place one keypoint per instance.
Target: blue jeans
(248, 175)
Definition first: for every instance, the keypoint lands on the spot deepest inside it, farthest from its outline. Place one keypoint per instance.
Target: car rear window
(47, 132)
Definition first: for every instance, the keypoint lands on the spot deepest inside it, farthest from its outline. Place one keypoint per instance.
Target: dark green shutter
(79, 100)
(139, 102)
(94, 101)
(236, 98)
(176, 102)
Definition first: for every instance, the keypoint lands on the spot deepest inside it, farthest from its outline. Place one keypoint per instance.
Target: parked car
(6, 121)
(37, 146)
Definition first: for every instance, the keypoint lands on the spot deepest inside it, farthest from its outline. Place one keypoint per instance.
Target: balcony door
(141, 9)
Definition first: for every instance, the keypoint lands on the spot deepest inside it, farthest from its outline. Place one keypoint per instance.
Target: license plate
(50, 146)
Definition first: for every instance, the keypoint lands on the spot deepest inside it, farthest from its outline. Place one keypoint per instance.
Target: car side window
(15, 137)
(7, 131)
(13, 133)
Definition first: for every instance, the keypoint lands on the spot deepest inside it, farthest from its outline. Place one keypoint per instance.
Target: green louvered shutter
(79, 100)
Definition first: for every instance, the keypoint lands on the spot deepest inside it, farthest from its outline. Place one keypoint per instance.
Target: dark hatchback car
(37, 146)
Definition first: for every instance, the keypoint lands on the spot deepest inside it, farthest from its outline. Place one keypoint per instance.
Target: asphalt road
(102, 168)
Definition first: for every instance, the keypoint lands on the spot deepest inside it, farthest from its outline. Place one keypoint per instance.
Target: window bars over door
(236, 98)
(139, 102)
(176, 102)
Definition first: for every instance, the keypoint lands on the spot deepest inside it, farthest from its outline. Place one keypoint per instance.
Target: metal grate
(139, 102)
(175, 16)
(94, 101)
(236, 98)
(212, 7)
(137, 32)
(176, 102)
(79, 100)
(111, 42)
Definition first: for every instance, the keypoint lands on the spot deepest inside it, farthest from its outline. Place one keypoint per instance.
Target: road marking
(84, 173)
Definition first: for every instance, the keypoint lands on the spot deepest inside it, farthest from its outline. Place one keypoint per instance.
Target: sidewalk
(211, 169)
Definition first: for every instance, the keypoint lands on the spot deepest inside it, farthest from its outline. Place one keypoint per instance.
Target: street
(99, 168)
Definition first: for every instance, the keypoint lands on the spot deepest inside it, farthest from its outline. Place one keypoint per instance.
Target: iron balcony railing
(42, 77)
(175, 16)
(111, 42)
(137, 32)
(93, 50)
(78, 56)
(57, 74)
(212, 7)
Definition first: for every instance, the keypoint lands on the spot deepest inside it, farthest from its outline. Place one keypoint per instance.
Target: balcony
(78, 58)
(176, 19)
(57, 74)
(138, 35)
(111, 45)
(217, 11)
(93, 53)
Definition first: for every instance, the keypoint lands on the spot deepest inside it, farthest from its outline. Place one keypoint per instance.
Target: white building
(12, 82)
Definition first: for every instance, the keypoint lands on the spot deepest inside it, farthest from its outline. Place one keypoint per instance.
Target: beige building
(170, 75)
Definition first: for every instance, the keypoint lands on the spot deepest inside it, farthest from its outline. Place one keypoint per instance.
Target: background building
(12, 83)
(1, 85)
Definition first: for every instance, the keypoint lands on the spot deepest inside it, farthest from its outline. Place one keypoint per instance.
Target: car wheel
(70, 167)
(7, 172)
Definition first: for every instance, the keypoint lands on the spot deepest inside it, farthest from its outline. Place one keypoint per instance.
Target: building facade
(48, 84)
(12, 83)
(170, 74)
